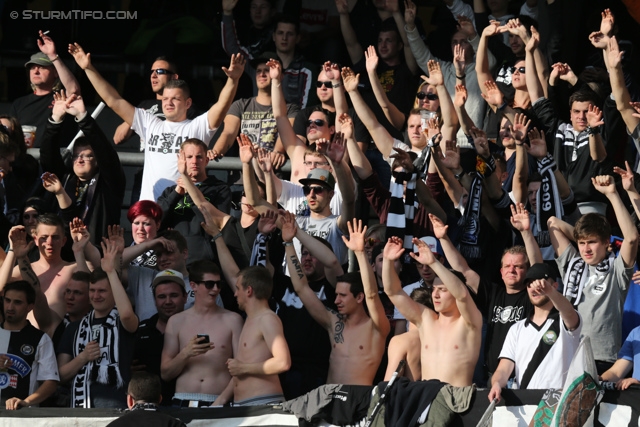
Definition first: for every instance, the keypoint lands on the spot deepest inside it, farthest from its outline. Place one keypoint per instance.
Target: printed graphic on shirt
(261, 130)
(19, 366)
(166, 143)
(508, 314)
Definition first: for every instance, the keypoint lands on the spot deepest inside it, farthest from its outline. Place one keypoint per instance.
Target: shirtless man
(358, 340)
(53, 272)
(263, 352)
(197, 361)
(452, 331)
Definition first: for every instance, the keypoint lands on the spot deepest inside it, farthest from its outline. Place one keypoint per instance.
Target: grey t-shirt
(601, 305)
(328, 229)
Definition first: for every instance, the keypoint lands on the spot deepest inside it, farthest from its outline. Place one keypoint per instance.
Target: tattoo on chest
(337, 331)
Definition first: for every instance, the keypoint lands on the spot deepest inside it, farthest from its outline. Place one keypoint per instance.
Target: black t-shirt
(125, 357)
(147, 350)
(397, 81)
(146, 418)
(501, 311)
(35, 110)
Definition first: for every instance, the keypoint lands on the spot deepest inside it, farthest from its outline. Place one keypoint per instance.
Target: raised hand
(393, 249)
(424, 255)
(537, 144)
(599, 40)
(277, 159)
(336, 148)
(520, 126)
(466, 26)
(82, 59)
(51, 183)
(614, 55)
(627, 177)
(435, 74)
(606, 25)
(515, 27)
(594, 116)
(355, 242)
(75, 105)
(492, 94)
(493, 29)
(480, 141)
(264, 160)
(346, 126)
(236, 67)
(520, 219)
(209, 225)
(18, 241)
(410, 10)
(439, 228)
(79, 235)
(461, 96)
(342, 6)
(350, 79)
(246, 149)
(433, 129)
(402, 157)
(533, 42)
(267, 222)
(59, 106)
(332, 70)
(604, 184)
(115, 234)
(46, 45)
(371, 59)
(451, 158)
(391, 6)
(229, 5)
(110, 253)
(289, 226)
(541, 287)
(635, 106)
(275, 69)
(459, 59)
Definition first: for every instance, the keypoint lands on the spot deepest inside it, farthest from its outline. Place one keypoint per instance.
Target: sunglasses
(319, 84)
(371, 241)
(317, 122)
(161, 71)
(306, 189)
(209, 284)
(429, 96)
(519, 69)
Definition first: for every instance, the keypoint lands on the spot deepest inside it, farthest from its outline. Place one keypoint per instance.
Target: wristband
(55, 59)
(216, 237)
(502, 107)
(337, 85)
(10, 250)
(594, 130)
(458, 176)
(461, 77)
(287, 243)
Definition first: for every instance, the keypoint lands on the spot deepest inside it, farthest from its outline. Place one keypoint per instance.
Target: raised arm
(359, 161)
(448, 165)
(393, 7)
(68, 80)
(350, 40)
(311, 302)
(605, 185)
(391, 112)
(355, 242)
(248, 176)
(335, 152)
(453, 256)
(382, 138)
(409, 308)
(534, 84)
(107, 92)
(568, 314)
(561, 234)
(482, 54)
(520, 220)
(538, 149)
(468, 309)
(618, 86)
(218, 111)
(326, 256)
(448, 114)
(112, 253)
(227, 263)
(52, 184)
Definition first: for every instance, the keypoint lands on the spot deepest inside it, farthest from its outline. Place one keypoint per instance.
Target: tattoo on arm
(296, 265)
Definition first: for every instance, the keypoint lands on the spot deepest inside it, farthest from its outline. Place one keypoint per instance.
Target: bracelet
(10, 250)
(461, 77)
(55, 59)
(337, 85)
(458, 176)
(502, 107)
(216, 237)
(287, 243)
(593, 131)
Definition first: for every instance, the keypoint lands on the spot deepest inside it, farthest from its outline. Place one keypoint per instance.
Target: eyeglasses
(319, 84)
(161, 71)
(209, 284)
(316, 164)
(317, 122)
(307, 189)
(521, 70)
(85, 157)
(429, 96)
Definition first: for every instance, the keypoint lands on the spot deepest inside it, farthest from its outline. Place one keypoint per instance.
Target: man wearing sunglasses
(199, 341)
(163, 138)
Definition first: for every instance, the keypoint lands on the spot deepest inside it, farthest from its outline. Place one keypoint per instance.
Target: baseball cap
(39, 59)
(319, 176)
(433, 244)
(168, 276)
(537, 271)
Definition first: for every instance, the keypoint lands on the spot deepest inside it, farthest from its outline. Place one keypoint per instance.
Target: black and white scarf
(578, 275)
(470, 221)
(402, 209)
(259, 250)
(105, 369)
(548, 201)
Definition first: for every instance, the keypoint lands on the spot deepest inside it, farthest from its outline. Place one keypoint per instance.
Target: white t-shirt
(292, 198)
(162, 145)
(521, 343)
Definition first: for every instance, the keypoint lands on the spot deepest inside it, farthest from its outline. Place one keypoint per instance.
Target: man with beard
(540, 348)
(170, 297)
